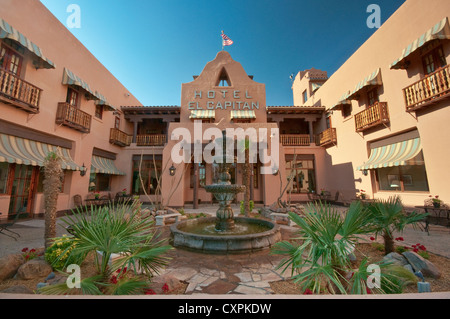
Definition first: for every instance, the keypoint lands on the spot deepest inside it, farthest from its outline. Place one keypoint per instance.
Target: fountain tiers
(220, 243)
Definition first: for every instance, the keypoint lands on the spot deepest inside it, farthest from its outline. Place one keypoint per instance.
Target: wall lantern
(83, 170)
(365, 172)
(172, 170)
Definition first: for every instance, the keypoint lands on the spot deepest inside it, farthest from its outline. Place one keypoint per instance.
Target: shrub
(242, 208)
(58, 254)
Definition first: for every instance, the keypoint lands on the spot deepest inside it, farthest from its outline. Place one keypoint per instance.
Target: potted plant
(124, 192)
(436, 201)
(362, 194)
(96, 195)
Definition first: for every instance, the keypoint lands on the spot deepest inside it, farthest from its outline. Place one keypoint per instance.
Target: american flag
(226, 40)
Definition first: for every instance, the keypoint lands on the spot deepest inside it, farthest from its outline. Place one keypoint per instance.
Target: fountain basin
(266, 235)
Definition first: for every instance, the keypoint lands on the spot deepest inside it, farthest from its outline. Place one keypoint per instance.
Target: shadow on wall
(341, 178)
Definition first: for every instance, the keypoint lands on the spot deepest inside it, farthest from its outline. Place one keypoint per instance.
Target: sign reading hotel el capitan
(232, 100)
(225, 92)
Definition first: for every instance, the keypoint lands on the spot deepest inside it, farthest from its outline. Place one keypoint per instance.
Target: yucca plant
(389, 216)
(114, 229)
(319, 258)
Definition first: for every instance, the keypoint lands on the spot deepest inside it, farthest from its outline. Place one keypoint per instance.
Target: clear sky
(153, 46)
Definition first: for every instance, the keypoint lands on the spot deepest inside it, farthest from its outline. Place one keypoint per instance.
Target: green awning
(202, 114)
(69, 78)
(343, 100)
(397, 154)
(8, 32)
(372, 79)
(28, 152)
(104, 165)
(440, 30)
(103, 101)
(243, 114)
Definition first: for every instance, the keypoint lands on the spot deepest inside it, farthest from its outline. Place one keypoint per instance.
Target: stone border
(226, 243)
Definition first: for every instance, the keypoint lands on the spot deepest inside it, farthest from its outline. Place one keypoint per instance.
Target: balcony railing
(119, 138)
(18, 92)
(151, 140)
(72, 117)
(431, 88)
(327, 137)
(373, 116)
(295, 139)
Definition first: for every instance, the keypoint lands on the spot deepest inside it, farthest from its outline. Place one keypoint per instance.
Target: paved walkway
(248, 274)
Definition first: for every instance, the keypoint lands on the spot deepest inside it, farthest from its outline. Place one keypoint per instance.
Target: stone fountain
(225, 233)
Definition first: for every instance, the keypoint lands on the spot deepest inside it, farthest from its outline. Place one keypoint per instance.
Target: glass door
(22, 191)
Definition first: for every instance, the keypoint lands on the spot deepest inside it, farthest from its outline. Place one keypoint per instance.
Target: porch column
(311, 134)
(135, 129)
(195, 195)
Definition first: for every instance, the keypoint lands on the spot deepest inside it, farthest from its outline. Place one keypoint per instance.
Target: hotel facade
(379, 124)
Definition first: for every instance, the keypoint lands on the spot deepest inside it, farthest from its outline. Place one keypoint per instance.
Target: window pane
(389, 178)
(414, 178)
(4, 168)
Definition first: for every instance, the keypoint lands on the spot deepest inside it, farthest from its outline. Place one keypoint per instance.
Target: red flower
(165, 288)
(27, 257)
(372, 238)
(33, 250)
(368, 291)
(113, 280)
(399, 239)
(422, 247)
(308, 292)
(149, 292)
(25, 250)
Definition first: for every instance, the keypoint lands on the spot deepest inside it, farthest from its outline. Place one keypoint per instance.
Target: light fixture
(83, 170)
(172, 170)
(365, 172)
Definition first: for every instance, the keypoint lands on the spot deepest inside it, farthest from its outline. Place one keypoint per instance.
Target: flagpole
(222, 42)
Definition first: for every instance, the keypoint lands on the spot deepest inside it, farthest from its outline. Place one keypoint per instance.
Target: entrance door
(22, 190)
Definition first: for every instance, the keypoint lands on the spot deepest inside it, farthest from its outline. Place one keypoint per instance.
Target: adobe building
(378, 124)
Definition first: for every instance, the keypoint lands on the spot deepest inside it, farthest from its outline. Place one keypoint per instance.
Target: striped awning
(69, 78)
(203, 114)
(8, 32)
(440, 30)
(243, 114)
(372, 79)
(397, 154)
(27, 152)
(343, 100)
(103, 165)
(315, 86)
(103, 101)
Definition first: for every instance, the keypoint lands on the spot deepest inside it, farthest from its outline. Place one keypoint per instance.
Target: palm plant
(52, 186)
(114, 229)
(389, 216)
(320, 257)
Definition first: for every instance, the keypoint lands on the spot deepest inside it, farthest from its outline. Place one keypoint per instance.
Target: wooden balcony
(432, 88)
(373, 116)
(117, 137)
(70, 116)
(295, 139)
(327, 137)
(18, 92)
(151, 140)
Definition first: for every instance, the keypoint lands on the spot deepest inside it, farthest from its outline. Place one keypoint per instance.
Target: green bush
(242, 209)
(58, 254)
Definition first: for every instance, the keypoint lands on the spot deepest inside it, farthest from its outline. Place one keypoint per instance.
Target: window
(99, 111)
(408, 178)
(117, 122)
(4, 170)
(10, 60)
(72, 97)
(201, 175)
(305, 96)
(150, 174)
(433, 60)
(255, 176)
(346, 110)
(301, 172)
(100, 182)
(328, 122)
(372, 97)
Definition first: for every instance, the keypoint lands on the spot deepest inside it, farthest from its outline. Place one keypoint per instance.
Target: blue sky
(153, 46)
